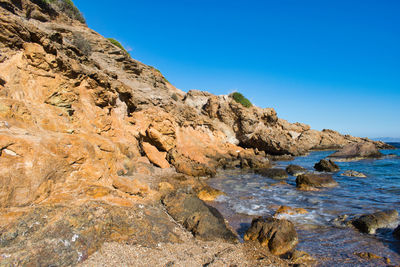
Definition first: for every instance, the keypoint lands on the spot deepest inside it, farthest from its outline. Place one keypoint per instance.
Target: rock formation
(295, 170)
(369, 223)
(357, 151)
(89, 135)
(326, 166)
(311, 181)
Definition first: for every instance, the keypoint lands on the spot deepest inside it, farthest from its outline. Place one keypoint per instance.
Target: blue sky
(331, 64)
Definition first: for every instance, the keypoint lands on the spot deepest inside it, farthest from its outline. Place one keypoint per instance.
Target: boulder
(277, 174)
(205, 222)
(357, 151)
(326, 166)
(207, 193)
(396, 232)
(351, 173)
(369, 223)
(311, 181)
(278, 235)
(295, 170)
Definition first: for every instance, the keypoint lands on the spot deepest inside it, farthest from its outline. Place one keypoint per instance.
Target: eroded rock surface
(369, 223)
(278, 235)
(326, 166)
(310, 181)
(357, 151)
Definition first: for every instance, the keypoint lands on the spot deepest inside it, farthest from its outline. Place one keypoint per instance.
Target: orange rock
(209, 194)
(132, 186)
(290, 211)
(155, 156)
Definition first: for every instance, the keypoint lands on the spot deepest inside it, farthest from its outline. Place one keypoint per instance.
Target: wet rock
(357, 151)
(369, 223)
(351, 173)
(248, 159)
(278, 235)
(205, 222)
(190, 167)
(326, 166)
(289, 211)
(311, 180)
(295, 170)
(301, 258)
(367, 255)
(396, 232)
(285, 157)
(277, 174)
(207, 193)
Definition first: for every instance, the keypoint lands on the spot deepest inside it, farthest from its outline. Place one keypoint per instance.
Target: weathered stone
(130, 185)
(295, 170)
(326, 166)
(277, 174)
(205, 222)
(289, 211)
(156, 157)
(279, 236)
(310, 180)
(369, 223)
(207, 193)
(357, 151)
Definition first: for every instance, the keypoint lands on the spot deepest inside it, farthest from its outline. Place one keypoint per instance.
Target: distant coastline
(387, 139)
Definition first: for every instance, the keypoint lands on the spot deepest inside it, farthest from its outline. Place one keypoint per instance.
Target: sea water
(320, 234)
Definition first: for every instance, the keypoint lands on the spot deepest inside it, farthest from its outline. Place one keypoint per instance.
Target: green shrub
(116, 43)
(82, 44)
(65, 6)
(238, 97)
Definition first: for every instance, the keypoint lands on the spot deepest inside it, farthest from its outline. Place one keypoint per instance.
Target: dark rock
(205, 222)
(285, 157)
(351, 173)
(326, 166)
(253, 161)
(396, 232)
(295, 170)
(311, 180)
(277, 174)
(369, 223)
(279, 236)
(357, 152)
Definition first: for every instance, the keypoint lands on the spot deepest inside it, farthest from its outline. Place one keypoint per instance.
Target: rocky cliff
(84, 125)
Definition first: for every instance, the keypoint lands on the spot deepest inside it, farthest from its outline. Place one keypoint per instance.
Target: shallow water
(249, 194)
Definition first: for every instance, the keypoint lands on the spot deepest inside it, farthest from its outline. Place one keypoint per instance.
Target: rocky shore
(101, 155)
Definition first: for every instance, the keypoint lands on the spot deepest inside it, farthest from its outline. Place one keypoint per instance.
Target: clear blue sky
(331, 64)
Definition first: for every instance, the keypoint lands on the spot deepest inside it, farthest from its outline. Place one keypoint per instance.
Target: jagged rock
(295, 170)
(289, 211)
(278, 235)
(326, 166)
(190, 167)
(356, 152)
(131, 185)
(248, 159)
(205, 222)
(369, 223)
(311, 181)
(156, 157)
(351, 173)
(273, 173)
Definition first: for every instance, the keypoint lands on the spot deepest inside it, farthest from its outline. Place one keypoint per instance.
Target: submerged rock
(205, 222)
(207, 193)
(295, 170)
(311, 181)
(351, 173)
(396, 232)
(357, 151)
(289, 211)
(326, 166)
(277, 174)
(369, 223)
(278, 235)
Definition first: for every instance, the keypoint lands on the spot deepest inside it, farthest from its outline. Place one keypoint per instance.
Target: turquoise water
(249, 195)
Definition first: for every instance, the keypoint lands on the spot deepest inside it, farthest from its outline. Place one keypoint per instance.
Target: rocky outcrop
(357, 152)
(277, 235)
(295, 170)
(326, 166)
(203, 221)
(310, 181)
(273, 173)
(369, 223)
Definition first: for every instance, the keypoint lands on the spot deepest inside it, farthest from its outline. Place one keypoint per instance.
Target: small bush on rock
(238, 97)
(82, 44)
(65, 6)
(116, 43)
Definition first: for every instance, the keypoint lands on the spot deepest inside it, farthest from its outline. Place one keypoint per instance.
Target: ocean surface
(250, 195)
